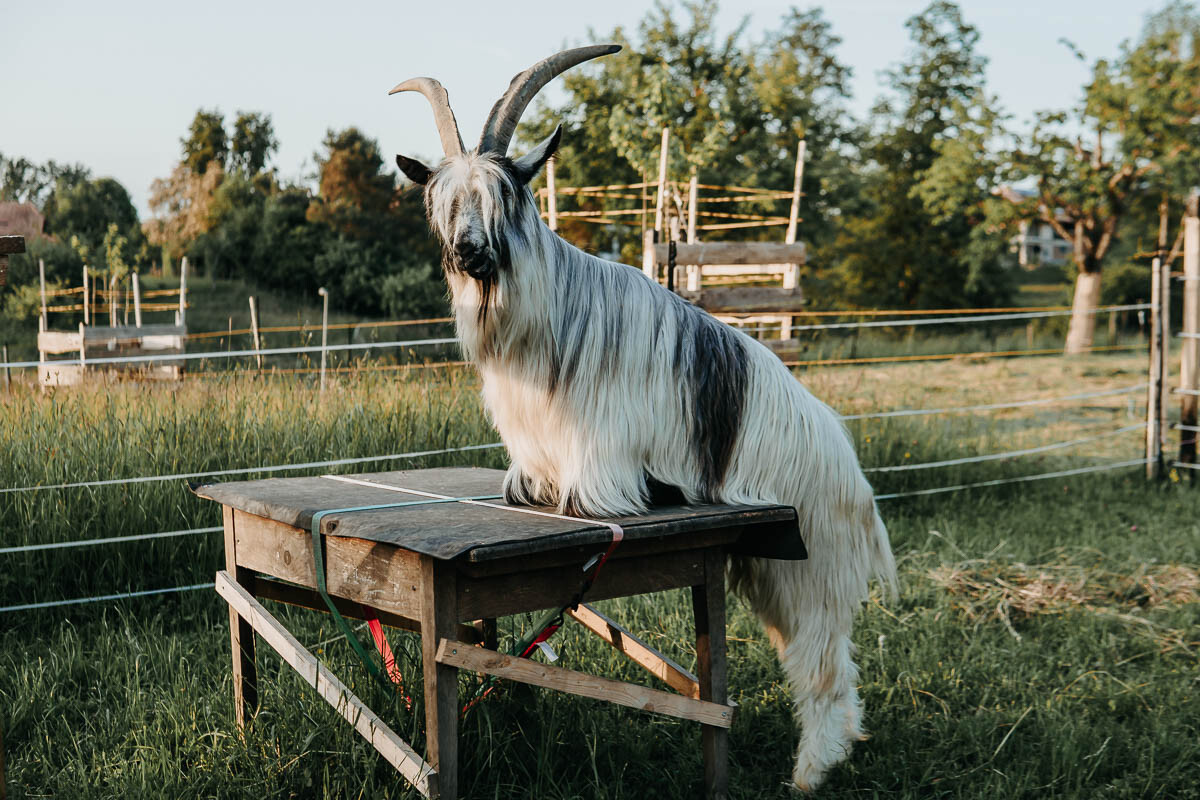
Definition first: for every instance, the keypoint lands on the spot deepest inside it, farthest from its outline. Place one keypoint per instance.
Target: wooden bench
(433, 565)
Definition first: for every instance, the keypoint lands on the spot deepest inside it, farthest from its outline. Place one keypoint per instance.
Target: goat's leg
(810, 630)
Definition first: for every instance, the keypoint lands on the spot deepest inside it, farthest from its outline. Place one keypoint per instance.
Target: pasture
(1045, 642)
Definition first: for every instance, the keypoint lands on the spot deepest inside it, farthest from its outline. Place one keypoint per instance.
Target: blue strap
(319, 565)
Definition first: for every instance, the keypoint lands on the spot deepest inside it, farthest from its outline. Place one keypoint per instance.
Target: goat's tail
(883, 563)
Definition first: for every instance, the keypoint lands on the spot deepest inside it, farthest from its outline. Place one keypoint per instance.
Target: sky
(115, 85)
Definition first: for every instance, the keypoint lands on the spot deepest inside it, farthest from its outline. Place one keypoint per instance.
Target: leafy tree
(87, 209)
(21, 181)
(930, 236)
(252, 143)
(736, 109)
(1132, 141)
(206, 142)
(354, 189)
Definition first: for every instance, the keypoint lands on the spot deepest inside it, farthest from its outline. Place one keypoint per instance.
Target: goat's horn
(447, 126)
(502, 122)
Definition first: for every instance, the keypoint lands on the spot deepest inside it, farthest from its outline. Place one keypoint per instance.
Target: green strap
(319, 564)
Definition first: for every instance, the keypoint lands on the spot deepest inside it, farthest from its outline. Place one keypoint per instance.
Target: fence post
(7, 375)
(42, 283)
(258, 359)
(1154, 394)
(662, 181)
(325, 329)
(649, 265)
(1189, 372)
(183, 265)
(551, 196)
(137, 301)
(87, 298)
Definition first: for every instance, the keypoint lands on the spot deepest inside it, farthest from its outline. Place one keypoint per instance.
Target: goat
(603, 385)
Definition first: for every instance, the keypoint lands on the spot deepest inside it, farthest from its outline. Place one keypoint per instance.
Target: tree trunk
(1083, 313)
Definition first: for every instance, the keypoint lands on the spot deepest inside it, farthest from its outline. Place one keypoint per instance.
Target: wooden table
(432, 566)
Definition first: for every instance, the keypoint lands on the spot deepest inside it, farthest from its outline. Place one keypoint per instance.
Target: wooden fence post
(324, 330)
(137, 301)
(662, 181)
(183, 265)
(87, 298)
(551, 196)
(1189, 372)
(42, 284)
(7, 374)
(258, 359)
(1154, 394)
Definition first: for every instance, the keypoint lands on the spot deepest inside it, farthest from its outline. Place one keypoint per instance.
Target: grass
(1045, 642)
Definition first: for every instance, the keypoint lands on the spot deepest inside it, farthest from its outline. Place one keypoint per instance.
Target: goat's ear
(414, 170)
(532, 162)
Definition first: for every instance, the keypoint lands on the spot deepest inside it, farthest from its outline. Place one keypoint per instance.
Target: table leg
(708, 605)
(241, 634)
(439, 620)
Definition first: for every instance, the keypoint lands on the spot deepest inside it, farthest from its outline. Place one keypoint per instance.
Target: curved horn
(447, 126)
(502, 122)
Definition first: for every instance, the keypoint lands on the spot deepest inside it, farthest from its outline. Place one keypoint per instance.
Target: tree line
(914, 206)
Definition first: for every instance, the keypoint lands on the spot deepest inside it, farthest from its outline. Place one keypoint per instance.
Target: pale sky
(114, 85)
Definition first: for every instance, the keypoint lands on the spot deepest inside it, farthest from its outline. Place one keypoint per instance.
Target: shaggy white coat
(588, 402)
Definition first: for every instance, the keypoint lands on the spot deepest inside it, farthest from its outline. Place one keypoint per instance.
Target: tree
(1134, 137)
(736, 109)
(252, 143)
(929, 236)
(354, 190)
(88, 207)
(206, 142)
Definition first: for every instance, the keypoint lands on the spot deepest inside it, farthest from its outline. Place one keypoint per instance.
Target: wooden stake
(662, 181)
(551, 196)
(692, 196)
(324, 330)
(42, 283)
(793, 214)
(1189, 378)
(7, 374)
(137, 301)
(258, 359)
(649, 264)
(183, 270)
(87, 298)
(1154, 390)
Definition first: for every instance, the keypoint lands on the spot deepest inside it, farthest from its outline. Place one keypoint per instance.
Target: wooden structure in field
(9, 245)
(438, 552)
(739, 282)
(123, 350)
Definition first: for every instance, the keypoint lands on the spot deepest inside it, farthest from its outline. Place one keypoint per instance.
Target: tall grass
(1071, 699)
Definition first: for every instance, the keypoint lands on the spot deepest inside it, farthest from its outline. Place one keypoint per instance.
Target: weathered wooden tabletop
(479, 533)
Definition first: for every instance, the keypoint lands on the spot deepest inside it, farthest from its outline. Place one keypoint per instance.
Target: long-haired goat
(602, 382)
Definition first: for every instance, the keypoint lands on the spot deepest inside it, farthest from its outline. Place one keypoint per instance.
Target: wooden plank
(708, 606)
(394, 749)
(703, 253)
(501, 595)
(1189, 365)
(241, 635)
(747, 299)
(743, 270)
(439, 615)
(797, 179)
(11, 244)
(565, 680)
(380, 575)
(307, 598)
(638, 651)
(130, 334)
(56, 342)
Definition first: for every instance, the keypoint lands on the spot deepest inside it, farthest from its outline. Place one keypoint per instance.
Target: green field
(1045, 642)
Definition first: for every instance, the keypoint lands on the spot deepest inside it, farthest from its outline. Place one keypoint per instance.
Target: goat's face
(475, 203)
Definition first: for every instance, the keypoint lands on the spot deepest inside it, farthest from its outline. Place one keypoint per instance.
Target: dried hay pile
(986, 590)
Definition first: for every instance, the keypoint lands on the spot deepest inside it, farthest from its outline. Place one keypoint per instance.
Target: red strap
(381, 644)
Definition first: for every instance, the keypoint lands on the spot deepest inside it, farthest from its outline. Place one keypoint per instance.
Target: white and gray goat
(604, 384)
